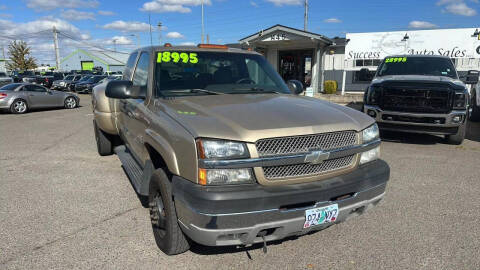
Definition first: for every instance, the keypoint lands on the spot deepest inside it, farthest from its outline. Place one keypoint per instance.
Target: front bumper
(428, 123)
(219, 216)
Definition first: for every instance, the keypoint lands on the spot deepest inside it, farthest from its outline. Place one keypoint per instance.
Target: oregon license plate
(321, 215)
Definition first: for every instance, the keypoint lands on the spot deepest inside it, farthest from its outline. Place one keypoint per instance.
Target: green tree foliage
(20, 58)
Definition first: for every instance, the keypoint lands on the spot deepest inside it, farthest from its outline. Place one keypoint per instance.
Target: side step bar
(131, 167)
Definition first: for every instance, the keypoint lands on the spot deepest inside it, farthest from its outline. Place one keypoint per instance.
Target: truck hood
(249, 117)
(418, 78)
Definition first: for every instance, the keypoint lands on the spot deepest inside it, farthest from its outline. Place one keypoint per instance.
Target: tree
(20, 58)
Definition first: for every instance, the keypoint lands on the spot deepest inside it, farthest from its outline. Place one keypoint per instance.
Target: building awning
(281, 33)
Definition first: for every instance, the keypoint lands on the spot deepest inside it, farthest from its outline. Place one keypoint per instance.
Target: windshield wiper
(255, 90)
(194, 91)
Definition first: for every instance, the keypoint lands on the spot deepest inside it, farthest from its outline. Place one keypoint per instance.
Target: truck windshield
(178, 72)
(432, 66)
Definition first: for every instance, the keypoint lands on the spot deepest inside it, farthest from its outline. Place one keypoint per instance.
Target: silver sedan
(21, 97)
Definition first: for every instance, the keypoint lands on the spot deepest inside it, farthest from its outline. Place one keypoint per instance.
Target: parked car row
(55, 80)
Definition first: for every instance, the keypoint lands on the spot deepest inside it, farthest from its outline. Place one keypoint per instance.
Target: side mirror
(472, 77)
(296, 87)
(122, 90)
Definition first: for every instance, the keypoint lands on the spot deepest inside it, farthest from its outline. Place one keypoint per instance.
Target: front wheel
(458, 138)
(168, 235)
(70, 103)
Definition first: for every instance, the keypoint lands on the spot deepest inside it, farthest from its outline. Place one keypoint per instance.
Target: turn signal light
(202, 177)
(212, 46)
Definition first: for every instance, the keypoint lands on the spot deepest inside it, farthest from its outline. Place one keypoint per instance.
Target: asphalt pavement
(62, 206)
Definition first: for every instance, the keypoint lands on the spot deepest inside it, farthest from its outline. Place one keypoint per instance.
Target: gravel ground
(64, 207)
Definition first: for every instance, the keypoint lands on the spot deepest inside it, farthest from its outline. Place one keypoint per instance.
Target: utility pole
(138, 39)
(57, 50)
(160, 25)
(150, 26)
(203, 24)
(305, 22)
(114, 44)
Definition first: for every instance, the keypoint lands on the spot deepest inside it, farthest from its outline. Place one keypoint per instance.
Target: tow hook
(262, 234)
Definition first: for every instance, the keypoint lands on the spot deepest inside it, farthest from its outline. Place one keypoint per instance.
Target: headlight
(460, 101)
(220, 149)
(225, 176)
(370, 155)
(371, 133)
(62, 83)
(373, 95)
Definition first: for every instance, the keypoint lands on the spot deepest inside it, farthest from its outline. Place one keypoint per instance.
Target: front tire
(70, 103)
(457, 139)
(168, 235)
(19, 106)
(103, 140)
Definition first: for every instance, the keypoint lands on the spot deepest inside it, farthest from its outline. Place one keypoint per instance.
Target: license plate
(321, 215)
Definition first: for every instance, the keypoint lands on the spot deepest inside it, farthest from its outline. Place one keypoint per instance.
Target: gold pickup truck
(224, 152)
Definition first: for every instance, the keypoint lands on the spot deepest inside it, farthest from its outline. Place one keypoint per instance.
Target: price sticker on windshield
(396, 60)
(177, 57)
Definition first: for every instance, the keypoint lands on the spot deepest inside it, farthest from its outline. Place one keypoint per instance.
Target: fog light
(372, 113)
(370, 155)
(457, 119)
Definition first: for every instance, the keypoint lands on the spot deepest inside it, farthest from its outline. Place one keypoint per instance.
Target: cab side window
(34, 88)
(127, 74)
(140, 77)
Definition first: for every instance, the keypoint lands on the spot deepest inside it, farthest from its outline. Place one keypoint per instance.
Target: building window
(368, 62)
(363, 76)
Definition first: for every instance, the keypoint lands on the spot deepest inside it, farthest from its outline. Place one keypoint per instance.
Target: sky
(122, 25)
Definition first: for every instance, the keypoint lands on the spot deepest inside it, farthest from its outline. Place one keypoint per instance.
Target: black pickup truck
(419, 94)
(47, 78)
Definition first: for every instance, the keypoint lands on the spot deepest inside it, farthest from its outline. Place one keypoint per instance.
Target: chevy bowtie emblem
(316, 157)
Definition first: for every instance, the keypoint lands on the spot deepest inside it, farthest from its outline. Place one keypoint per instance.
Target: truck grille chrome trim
(307, 169)
(305, 143)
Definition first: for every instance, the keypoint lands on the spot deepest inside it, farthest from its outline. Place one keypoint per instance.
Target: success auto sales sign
(455, 43)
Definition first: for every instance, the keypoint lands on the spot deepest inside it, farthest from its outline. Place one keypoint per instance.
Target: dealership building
(352, 61)
(88, 59)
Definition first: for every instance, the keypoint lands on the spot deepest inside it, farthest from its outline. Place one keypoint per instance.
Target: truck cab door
(133, 117)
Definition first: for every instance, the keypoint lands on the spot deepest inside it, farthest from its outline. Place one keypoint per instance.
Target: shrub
(330, 87)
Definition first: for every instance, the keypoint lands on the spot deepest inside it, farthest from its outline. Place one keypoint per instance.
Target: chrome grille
(306, 169)
(305, 143)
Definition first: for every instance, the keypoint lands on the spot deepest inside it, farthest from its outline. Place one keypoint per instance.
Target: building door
(296, 65)
(87, 65)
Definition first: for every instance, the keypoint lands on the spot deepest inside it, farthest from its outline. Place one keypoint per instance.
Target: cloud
(175, 35)
(119, 40)
(332, 20)
(6, 16)
(253, 4)
(286, 2)
(189, 43)
(9, 28)
(457, 7)
(3, 7)
(106, 13)
(75, 15)
(41, 5)
(181, 6)
(131, 26)
(421, 25)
